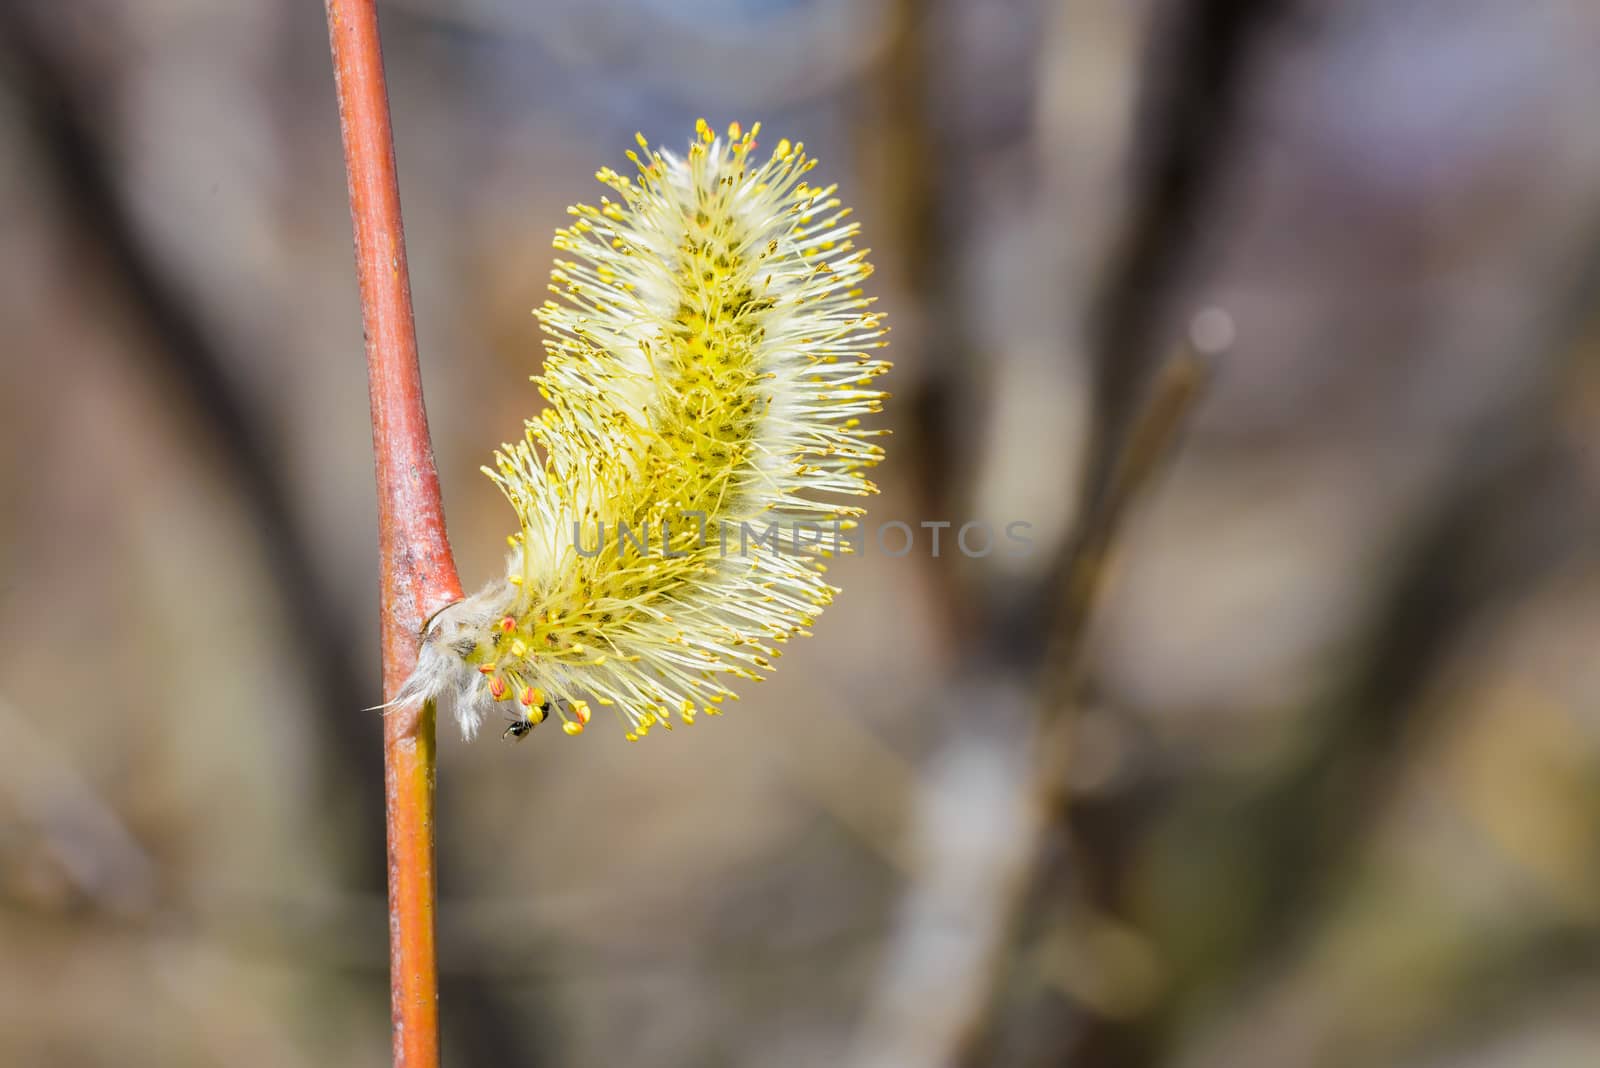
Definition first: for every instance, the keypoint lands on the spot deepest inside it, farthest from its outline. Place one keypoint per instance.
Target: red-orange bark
(418, 572)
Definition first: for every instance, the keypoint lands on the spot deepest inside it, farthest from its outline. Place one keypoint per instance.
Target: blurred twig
(84, 180)
(85, 834)
(1198, 63)
(1512, 510)
(417, 570)
(91, 208)
(914, 160)
(978, 819)
(1081, 569)
(1031, 914)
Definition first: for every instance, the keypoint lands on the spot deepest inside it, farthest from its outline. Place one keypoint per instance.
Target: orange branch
(418, 572)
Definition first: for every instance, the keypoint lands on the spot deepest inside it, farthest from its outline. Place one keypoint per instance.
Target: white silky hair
(441, 674)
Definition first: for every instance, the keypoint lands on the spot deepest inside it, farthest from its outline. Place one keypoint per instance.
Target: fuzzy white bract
(707, 368)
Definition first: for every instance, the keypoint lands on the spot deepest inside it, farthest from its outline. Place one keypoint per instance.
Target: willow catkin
(706, 372)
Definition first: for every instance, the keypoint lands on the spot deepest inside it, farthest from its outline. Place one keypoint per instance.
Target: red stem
(418, 572)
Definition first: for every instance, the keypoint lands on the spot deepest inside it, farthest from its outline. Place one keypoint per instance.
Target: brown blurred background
(1319, 784)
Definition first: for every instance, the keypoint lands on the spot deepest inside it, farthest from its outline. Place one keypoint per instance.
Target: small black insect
(523, 725)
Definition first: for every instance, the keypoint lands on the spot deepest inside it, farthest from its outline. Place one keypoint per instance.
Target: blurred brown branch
(193, 360)
(1033, 918)
(1198, 60)
(185, 355)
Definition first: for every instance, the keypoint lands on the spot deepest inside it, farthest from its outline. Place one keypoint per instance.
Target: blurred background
(1316, 782)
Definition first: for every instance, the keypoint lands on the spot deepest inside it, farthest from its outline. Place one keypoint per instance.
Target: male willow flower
(706, 370)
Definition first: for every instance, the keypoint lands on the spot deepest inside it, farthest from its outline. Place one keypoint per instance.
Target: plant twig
(1151, 440)
(418, 572)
